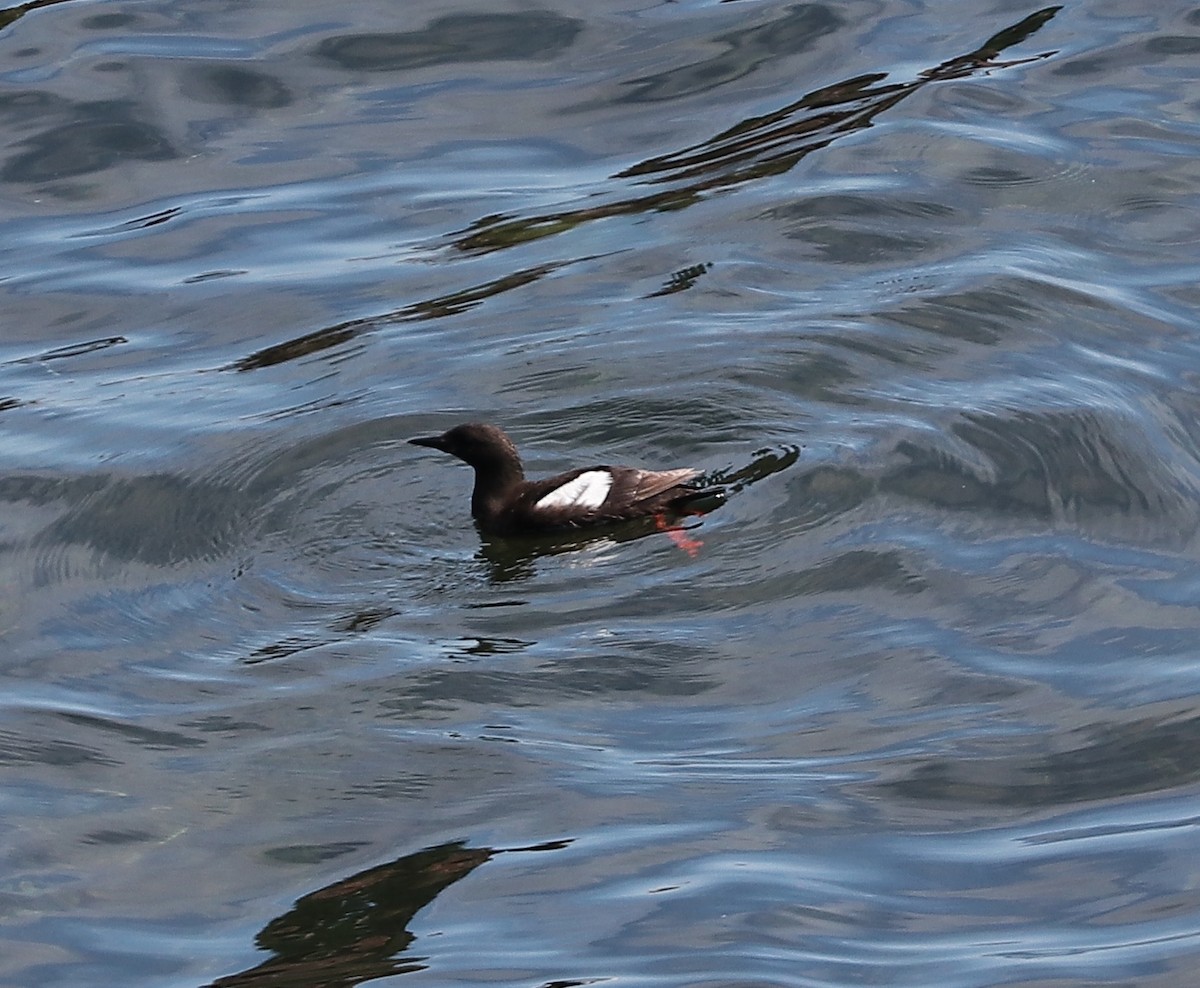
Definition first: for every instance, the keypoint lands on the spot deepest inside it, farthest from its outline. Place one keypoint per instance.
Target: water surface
(916, 280)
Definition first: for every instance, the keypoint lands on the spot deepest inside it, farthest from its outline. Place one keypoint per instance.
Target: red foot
(678, 535)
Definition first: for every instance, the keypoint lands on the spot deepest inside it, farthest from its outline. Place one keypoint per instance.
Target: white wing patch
(588, 490)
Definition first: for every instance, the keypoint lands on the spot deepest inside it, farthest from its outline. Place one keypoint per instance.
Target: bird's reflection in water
(510, 559)
(356, 930)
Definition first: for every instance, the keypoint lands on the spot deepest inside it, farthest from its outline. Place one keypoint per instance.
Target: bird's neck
(494, 483)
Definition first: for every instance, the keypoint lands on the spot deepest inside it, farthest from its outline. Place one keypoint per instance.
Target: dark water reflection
(1112, 761)
(797, 30)
(456, 39)
(83, 145)
(915, 283)
(357, 929)
(231, 86)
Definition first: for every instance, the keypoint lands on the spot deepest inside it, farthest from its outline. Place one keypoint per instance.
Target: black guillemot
(505, 503)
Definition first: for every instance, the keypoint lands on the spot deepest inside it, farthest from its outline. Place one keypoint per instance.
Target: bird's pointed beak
(433, 442)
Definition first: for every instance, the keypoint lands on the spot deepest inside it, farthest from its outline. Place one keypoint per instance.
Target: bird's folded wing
(651, 482)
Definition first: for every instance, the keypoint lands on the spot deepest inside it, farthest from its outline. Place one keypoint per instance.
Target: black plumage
(505, 503)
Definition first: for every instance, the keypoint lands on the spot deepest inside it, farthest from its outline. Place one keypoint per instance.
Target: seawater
(916, 281)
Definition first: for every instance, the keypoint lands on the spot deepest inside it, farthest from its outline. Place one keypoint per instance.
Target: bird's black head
(476, 443)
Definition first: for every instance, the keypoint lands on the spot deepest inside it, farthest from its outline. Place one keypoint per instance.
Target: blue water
(917, 281)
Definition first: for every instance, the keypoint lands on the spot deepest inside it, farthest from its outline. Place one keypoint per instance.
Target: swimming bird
(505, 503)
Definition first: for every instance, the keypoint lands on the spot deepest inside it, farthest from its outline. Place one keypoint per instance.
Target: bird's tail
(699, 501)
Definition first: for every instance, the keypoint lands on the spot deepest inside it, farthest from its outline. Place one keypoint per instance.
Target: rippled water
(917, 280)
